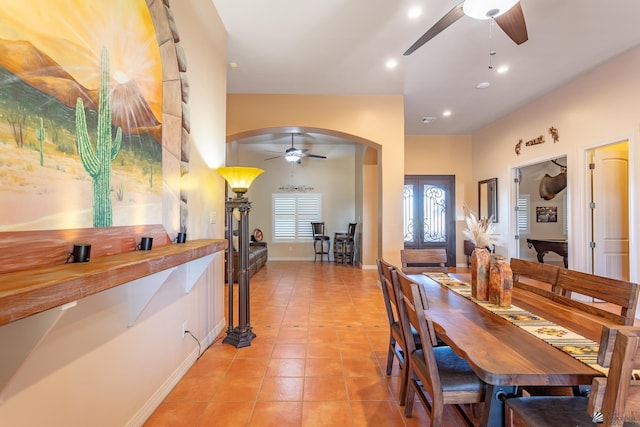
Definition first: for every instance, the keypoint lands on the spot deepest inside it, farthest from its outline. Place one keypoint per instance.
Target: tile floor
(318, 358)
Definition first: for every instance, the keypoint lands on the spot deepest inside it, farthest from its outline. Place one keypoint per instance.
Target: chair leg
(390, 355)
(404, 384)
(408, 400)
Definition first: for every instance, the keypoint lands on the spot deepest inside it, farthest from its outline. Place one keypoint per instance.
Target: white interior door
(611, 211)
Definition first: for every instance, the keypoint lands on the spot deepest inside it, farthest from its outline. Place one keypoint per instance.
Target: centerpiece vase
(500, 282)
(480, 264)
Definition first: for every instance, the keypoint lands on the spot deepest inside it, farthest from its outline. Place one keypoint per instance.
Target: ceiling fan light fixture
(487, 9)
(292, 157)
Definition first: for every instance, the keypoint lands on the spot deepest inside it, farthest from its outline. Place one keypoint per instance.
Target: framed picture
(547, 214)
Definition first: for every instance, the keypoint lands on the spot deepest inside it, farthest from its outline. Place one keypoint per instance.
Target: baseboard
(163, 391)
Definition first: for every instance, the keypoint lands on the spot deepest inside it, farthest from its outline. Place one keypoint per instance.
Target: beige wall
(600, 107)
(446, 155)
(96, 364)
(371, 119)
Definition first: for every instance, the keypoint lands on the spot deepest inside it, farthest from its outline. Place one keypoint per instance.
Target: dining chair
(344, 244)
(436, 374)
(609, 400)
(397, 346)
(320, 238)
(426, 259)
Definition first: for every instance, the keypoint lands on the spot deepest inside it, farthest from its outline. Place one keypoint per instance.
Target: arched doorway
(344, 169)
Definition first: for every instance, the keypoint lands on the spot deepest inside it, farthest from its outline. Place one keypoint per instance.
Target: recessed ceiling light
(392, 63)
(483, 85)
(414, 12)
(503, 69)
(446, 113)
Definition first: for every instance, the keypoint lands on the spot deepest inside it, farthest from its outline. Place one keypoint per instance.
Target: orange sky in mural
(72, 32)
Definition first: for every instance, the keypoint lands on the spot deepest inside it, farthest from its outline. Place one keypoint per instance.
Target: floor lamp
(239, 178)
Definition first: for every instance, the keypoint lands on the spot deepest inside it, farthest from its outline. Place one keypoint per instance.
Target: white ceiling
(341, 46)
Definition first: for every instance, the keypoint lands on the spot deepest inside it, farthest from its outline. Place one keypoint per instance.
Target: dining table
(502, 354)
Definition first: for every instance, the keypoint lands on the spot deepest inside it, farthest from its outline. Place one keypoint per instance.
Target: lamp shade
(239, 177)
(486, 9)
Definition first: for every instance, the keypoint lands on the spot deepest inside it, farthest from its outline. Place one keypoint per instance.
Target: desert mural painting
(80, 111)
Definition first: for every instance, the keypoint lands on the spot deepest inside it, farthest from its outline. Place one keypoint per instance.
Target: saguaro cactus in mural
(40, 138)
(98, 163)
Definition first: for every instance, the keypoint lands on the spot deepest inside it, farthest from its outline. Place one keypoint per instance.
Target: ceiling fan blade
(274, 157)
(512, 23)
(315, 156)
(452, 16)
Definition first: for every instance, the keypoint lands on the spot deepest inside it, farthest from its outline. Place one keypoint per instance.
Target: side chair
(320, 239)
(397, 345)
(436, 374)
(420, 260)
(613, 401)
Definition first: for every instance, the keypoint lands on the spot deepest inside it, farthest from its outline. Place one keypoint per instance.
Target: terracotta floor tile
(234, 389)
(210, 365)
(323, 367)
(288, 350)
(383, 413)
(277, 414)
(247, 367)
(176, 414)
(326, 414)
(281, 389)
(317, 359)
(356, 350)
(324, 388)
(361, 367)
(194, 389)
(227, 414)
(286, 368)
(368, 388)
(323, 349)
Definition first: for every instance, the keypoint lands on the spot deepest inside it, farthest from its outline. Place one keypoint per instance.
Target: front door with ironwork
(429, 213)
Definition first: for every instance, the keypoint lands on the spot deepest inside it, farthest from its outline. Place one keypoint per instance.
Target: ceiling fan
(295, 155)
(506, 13)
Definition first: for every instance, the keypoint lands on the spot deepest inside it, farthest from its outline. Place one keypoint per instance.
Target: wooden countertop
(27, 292)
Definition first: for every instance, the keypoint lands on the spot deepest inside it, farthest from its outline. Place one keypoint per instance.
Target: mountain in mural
(131, 112)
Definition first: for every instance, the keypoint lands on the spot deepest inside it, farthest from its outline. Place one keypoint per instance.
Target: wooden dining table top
(502, 353)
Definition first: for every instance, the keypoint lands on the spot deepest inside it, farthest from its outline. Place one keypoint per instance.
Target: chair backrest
(318, 228)
(352, 229)
(610, 396)
(388, 292)
(419, 260)
(412, 303)
(533, 276)
(622, 294)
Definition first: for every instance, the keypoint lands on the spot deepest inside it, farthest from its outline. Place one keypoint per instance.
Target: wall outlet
(184, 328)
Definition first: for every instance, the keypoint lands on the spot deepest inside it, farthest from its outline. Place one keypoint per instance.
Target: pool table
(542, 246)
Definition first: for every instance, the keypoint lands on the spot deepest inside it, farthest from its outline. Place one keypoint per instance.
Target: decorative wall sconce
(239, 178)
(296, 188)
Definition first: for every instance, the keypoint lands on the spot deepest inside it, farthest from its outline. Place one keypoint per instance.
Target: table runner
(575, 345)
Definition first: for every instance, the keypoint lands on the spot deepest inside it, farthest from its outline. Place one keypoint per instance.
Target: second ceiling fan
(506, 13)
(295, 155)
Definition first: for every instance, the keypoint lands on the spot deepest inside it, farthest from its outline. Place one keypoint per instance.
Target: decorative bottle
(500, 282)
(480, 263)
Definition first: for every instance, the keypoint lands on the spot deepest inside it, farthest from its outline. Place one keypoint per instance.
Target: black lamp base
(238, 338)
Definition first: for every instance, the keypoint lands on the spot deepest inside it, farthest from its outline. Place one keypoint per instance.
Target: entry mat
(559, 337)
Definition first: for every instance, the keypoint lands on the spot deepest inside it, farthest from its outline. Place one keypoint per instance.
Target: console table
(27, 292)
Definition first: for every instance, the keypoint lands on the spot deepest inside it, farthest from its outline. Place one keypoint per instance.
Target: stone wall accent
(176, 119)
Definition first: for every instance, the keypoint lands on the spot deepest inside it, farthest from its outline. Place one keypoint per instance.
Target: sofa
(258, 254)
